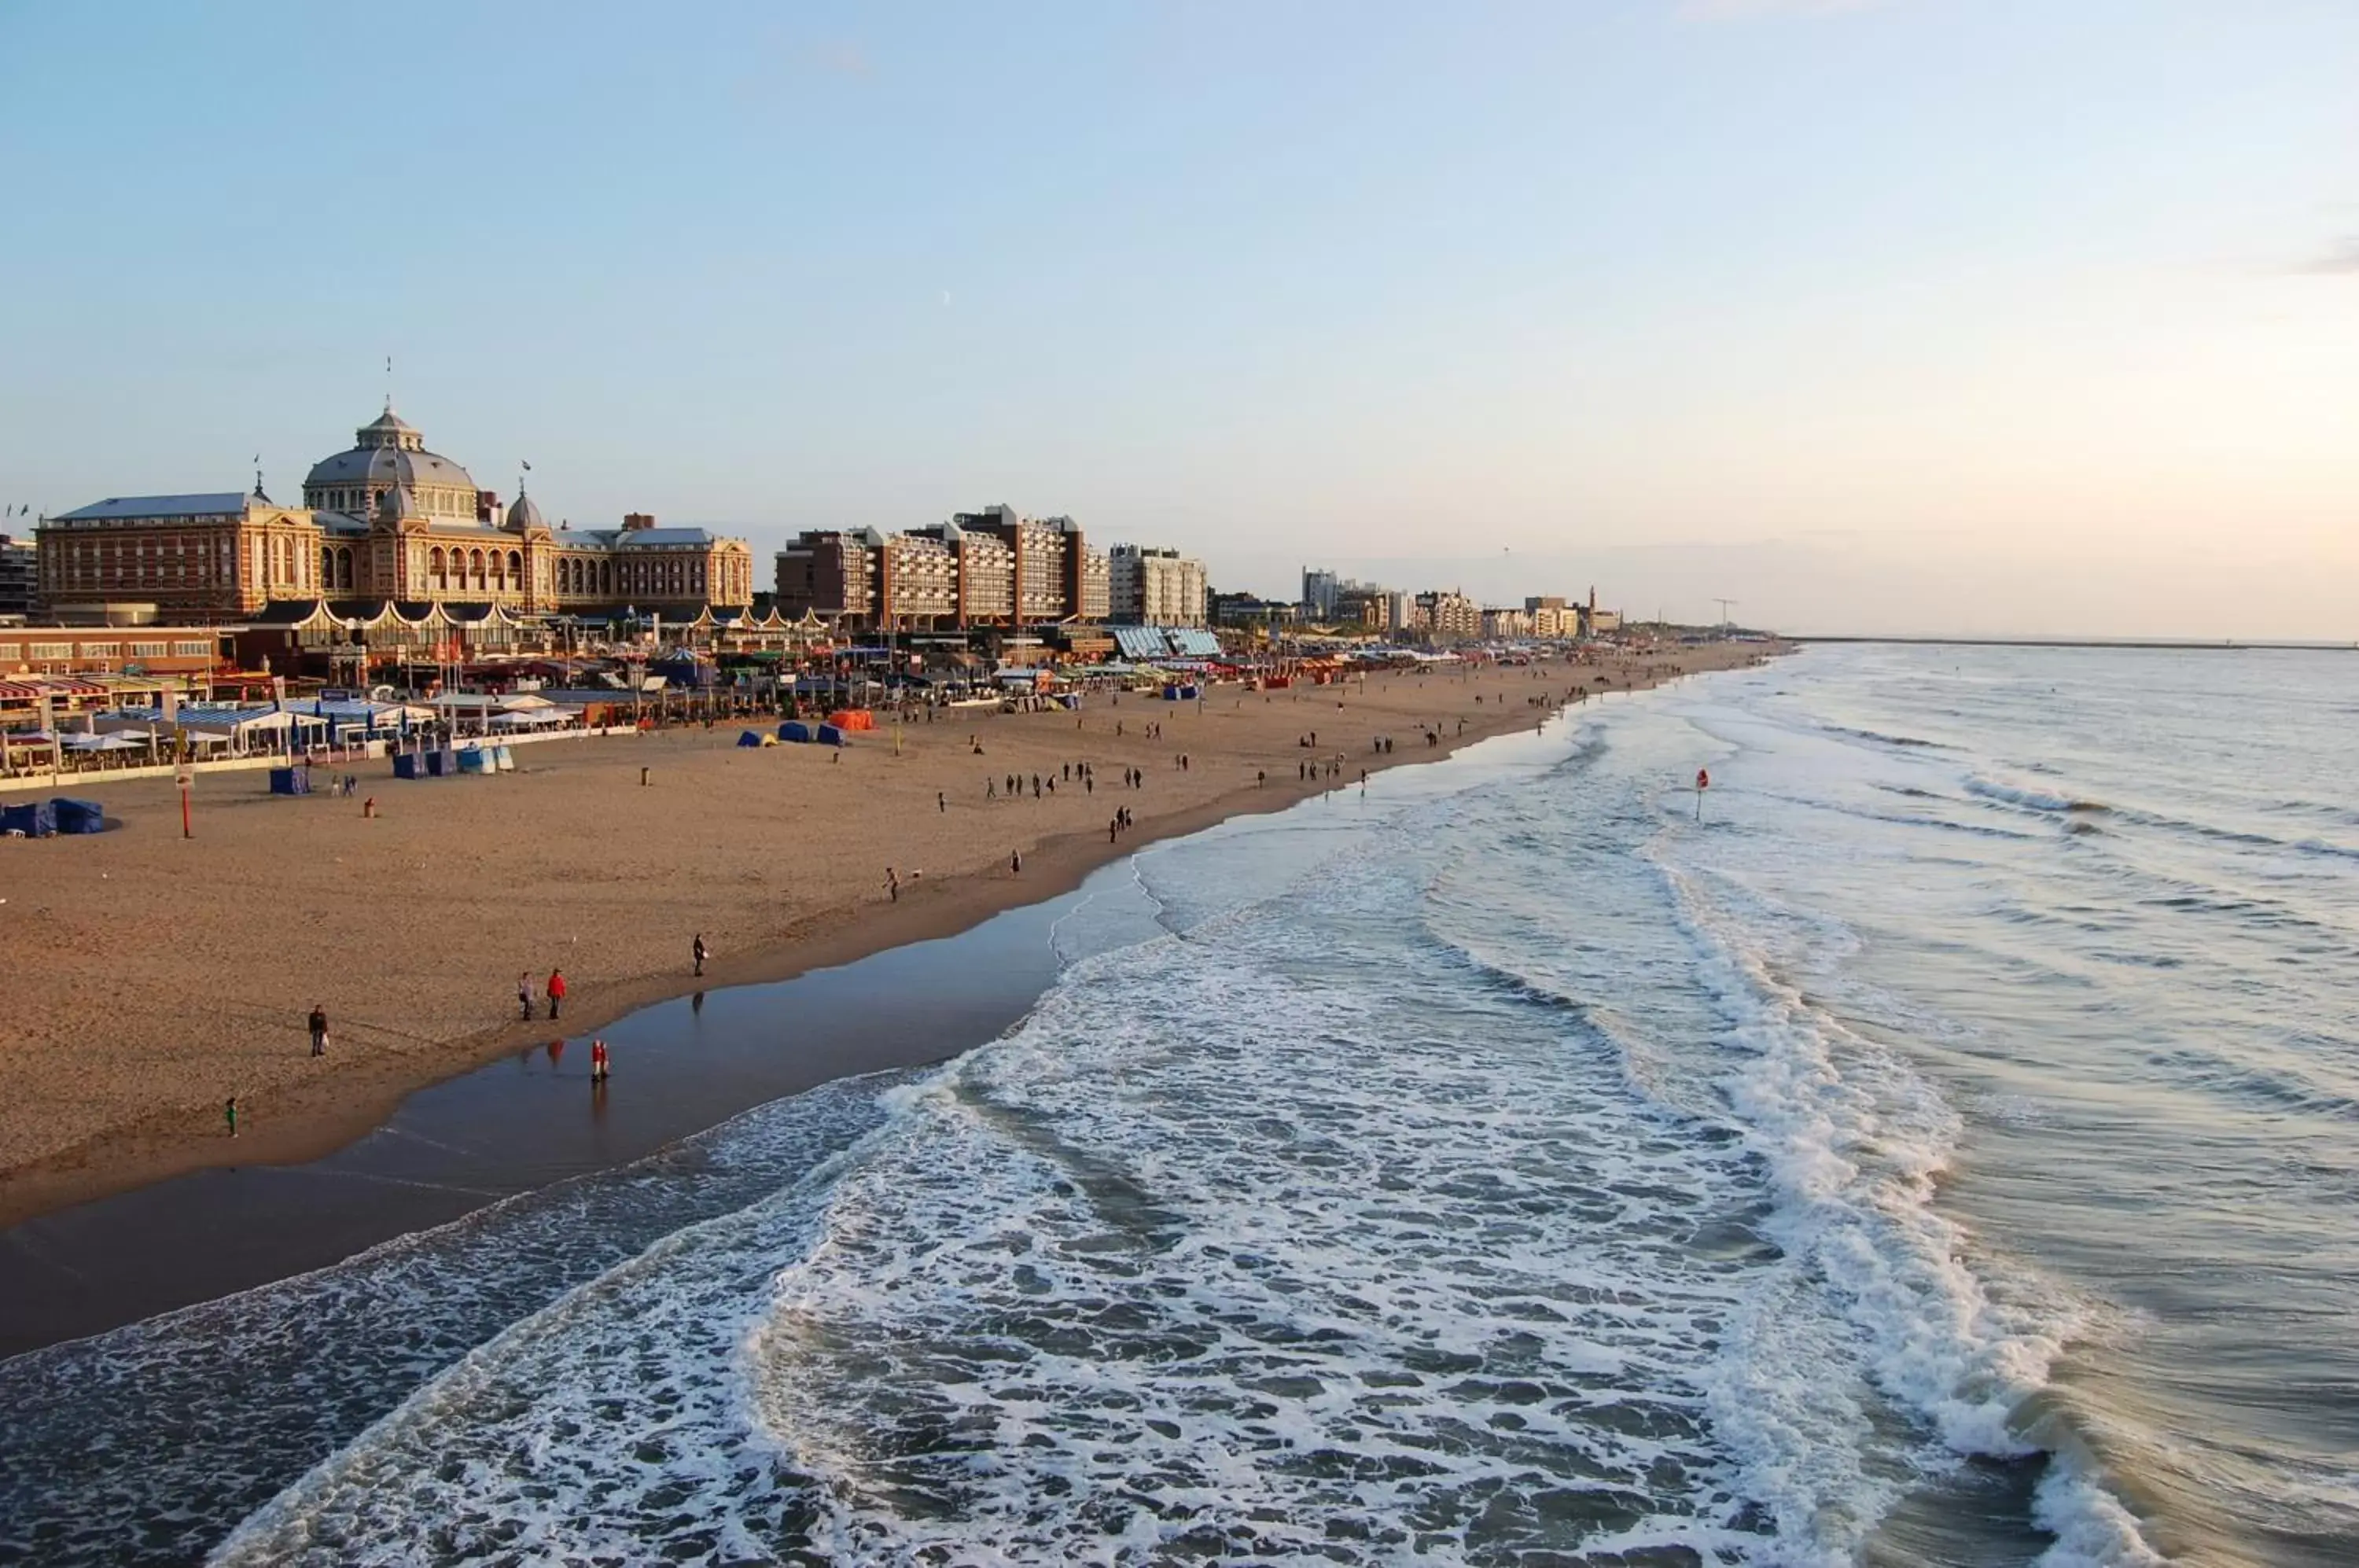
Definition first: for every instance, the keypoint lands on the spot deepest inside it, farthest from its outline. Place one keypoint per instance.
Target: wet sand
(153, 977)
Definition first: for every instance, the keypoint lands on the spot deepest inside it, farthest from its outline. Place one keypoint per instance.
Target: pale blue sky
(1927, 314)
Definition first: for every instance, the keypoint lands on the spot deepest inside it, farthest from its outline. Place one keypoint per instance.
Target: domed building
(385, 521)
(387, 453)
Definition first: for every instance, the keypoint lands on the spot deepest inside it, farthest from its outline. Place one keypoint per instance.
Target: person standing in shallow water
(700, 953)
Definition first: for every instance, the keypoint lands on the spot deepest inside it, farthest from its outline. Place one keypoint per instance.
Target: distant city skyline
(1914, 316)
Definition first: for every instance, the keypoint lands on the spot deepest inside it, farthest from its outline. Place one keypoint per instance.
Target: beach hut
(830, 734)
(442, 764)
(752, 737)
(34, 819)
(474, 759)
(794, 730)
(504, 759)
(79, 816)
(410, 765)
(290, 780)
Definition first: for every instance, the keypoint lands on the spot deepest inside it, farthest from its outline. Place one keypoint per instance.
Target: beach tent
(79, 816)
(830, 735)
(794, 730)
(290, 780)
(751, 737)
(103, 743)
(34, 819)
(475, 759)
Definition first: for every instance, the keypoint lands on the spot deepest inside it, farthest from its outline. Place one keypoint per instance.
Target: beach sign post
(1703, 782)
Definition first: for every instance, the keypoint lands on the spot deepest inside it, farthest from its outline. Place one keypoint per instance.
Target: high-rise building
(916, 582)
(20, 576)
(1448, 616)
(1319, 588)
(1156, 587)
(830, 574)
(986, 574)
(1051, 561)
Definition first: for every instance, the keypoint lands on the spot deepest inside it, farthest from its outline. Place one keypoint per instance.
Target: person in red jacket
(556, 991)
(597, 1062)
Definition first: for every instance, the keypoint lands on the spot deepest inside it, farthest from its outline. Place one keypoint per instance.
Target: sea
(1936, 1142)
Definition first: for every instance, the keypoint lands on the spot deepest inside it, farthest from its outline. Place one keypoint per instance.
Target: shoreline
(297, 1124)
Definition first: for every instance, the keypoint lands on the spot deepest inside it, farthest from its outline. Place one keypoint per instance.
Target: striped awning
(32, 689)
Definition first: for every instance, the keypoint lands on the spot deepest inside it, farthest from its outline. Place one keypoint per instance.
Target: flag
(528, 468)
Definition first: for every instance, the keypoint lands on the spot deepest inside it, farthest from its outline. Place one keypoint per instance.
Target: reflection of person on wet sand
(556, 1052)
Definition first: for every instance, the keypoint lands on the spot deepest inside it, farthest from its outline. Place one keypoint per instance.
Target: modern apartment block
(990, 568)
(20, 576)
(1154, 587)
(831, 574)
(1449, 616)
(1320, 588)
(916, 582)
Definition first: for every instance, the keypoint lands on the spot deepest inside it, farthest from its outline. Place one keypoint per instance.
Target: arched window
(475, 567)
(606, 578)
(327, 566)
(516, 570)
(344, 566)
(434, 567)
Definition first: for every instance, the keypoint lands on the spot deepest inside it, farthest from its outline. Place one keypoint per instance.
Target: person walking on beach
(1014, 862)
(318, 1028)
(892, 886)
(229, 1114)
(556, 992)
(702, 952)
(523, 994)
(597, 1062)
(941, 802)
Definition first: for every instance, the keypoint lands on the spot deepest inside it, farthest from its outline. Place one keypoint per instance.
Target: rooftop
(208, 504)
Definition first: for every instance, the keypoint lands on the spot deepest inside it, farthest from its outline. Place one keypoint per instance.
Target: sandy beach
(154, 977)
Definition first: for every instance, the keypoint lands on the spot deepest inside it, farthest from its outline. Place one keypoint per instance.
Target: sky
(1932, 316)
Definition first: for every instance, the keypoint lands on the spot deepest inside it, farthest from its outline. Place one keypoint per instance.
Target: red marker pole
(1703, 782)
(185, 831)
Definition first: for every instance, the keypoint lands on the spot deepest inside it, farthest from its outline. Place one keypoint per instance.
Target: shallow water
(1940, 1153)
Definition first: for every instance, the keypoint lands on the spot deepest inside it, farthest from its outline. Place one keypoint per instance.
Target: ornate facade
(386, 520)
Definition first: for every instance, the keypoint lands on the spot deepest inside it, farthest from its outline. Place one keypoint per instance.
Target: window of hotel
(51, 651)
(193, 650)
(149, 649)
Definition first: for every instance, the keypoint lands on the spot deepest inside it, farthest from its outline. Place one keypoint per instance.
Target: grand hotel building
(386, 521)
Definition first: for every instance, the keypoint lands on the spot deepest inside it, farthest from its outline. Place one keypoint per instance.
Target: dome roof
(525, 513)
(387, 465)
(388, 451)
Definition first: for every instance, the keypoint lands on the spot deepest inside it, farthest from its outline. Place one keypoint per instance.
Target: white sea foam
(2026, 795)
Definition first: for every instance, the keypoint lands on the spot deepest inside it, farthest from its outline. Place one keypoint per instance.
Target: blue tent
(830, 735)
(794, 730)
(35, 819)
(290, 780)
(79, 816)
(408, 764)
(749, 737)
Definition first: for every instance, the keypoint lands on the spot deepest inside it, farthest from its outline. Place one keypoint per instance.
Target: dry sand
(150, 977)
